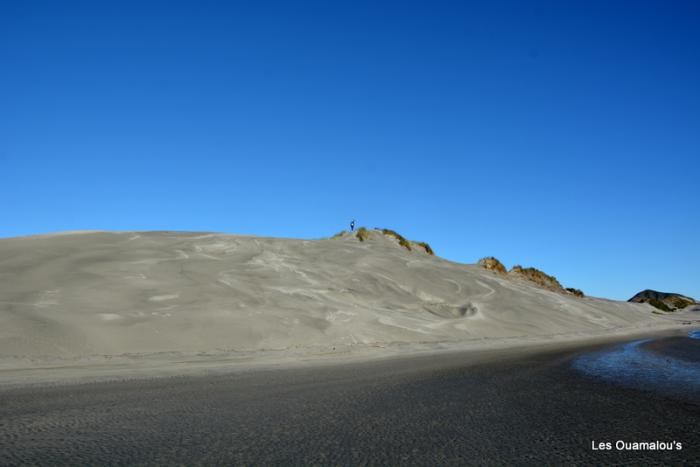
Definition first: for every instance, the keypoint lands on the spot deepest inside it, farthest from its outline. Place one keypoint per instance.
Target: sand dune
(108, 293)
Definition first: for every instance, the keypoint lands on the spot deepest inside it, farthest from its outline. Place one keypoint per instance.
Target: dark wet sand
(679, 347)
(512, 408)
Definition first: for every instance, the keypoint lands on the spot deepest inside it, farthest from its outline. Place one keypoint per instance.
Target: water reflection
(632, 365)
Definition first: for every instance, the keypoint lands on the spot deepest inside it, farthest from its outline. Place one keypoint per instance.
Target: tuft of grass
(492, 264)
(339, 234)
(657, 312)
(576, 292)
(538, 277)
(427, 248)
(362, 234)
(402, 241)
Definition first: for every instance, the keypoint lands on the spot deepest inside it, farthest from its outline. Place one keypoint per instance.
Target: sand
(504, 407)
(162, 302)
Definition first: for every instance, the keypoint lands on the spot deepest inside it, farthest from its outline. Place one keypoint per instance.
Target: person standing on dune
(352, 225)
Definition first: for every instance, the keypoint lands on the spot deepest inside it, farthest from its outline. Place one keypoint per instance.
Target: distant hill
(664, 301)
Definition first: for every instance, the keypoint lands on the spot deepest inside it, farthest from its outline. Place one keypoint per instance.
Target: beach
(520, 406)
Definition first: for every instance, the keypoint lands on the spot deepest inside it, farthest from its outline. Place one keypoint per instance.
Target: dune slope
(103, 293)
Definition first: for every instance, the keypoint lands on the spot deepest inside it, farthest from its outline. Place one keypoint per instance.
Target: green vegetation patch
(576, 292)
(339, 234)
(492, 264)
(679, 302)
(537, 276)
(427, 248)
(402, 241)
(657, 304)
(362, 234)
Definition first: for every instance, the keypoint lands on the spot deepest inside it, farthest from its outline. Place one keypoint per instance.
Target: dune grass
(576, 292)
(679, 302)
(362, 234)
(402, 241)
(658, 304)
(538, 277)
(492, 264)
(427, 248)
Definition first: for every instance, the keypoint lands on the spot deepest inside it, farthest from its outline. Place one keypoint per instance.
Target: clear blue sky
(560, 135)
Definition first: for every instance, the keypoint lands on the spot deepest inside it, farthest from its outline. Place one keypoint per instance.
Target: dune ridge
(112, 293)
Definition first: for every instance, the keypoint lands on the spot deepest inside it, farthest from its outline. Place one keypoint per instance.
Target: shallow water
(669, 366)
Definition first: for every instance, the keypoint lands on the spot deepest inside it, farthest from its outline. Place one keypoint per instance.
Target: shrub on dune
(402, 241)
(362, 234)
(538, 277)
(576, 292)
(427, 248)
(492, 264)
(657, 304)
(679, 302)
